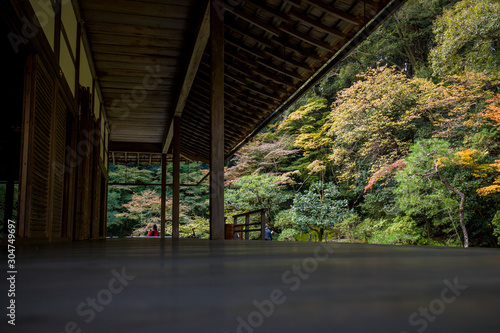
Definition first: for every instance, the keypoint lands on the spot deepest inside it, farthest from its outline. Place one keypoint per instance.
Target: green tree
(305, 124)
(142, 211)
(467, 38)
(267, 153)
(319, 209)
(119, 195)
(423, 186)
(256, 191)
(495, 224)
(198, 227)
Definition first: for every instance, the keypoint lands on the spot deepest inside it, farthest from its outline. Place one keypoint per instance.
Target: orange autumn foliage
(493, 112)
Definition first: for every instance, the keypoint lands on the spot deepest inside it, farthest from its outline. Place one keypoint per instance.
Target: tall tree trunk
(461, 207)
(320, 234)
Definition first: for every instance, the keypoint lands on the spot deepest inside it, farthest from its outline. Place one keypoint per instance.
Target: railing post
(234, 230)
(247, 227)
(263, 224)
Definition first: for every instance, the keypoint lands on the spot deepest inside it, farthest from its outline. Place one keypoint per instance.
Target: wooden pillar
(163, 193)
(217, 124)
(176, 175)
(235, 234)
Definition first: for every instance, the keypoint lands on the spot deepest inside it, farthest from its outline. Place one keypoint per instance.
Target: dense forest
(399, 144)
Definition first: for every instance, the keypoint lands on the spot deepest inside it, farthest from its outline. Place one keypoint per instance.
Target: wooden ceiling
(130, 42)
(272, 50)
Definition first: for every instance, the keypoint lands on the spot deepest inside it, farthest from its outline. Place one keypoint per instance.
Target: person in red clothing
(153, 232)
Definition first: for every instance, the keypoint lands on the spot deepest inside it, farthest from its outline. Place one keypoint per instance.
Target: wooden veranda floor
(150, 285)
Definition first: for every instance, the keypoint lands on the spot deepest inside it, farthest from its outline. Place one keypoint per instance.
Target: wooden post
(176, 176)
(235, 228)
(163, 193)
(217, 124)
(247, 227)
(263, 224)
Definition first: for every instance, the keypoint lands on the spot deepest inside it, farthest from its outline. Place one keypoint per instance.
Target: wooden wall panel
(44, 155)
(58, 169)
(89, 202)
(96, 203)
(104, 205)
(40, 154)
(84, 178)
(70, 179)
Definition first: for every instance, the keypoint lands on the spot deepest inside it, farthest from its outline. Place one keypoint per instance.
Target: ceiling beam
(330, 9)
(273, 48)
(269, 64)
(194, 63)
(306, 38)
(316, 23)
(135, 147)
(257, 22)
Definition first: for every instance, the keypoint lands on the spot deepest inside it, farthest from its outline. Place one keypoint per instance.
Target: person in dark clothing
(269, 234)
(153, 232)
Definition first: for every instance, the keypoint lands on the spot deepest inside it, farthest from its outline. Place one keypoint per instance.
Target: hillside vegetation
(399, 144)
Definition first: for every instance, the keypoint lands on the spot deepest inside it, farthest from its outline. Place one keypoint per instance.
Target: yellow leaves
(484, 191)
(495, 188)
(440, 162)
(316, 167)
(310, 141)
(467, 158)
(306, 114)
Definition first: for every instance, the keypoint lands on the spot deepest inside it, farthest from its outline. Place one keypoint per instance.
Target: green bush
(288, 234)
(495, 223)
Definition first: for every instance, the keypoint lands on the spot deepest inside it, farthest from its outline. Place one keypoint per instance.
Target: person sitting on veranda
(153, 232)
(269, 234)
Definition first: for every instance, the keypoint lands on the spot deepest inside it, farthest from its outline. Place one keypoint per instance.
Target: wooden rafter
(244, 86)
(330, 9)
(273, 49)
(258, 23)
(198, 50)
(316, 23)
(306, 38)
(268, 64)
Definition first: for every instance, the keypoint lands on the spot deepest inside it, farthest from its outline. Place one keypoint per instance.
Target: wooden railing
(244, 228)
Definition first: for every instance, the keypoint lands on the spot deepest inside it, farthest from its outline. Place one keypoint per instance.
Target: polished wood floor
(149, 285)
